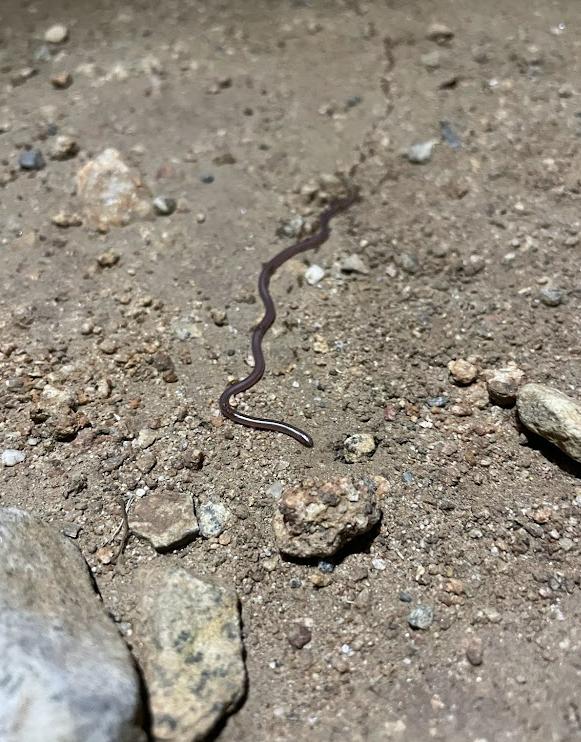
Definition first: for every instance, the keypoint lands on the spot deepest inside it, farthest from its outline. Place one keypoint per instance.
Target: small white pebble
(56, 34)
(314, 274)
(11, 457)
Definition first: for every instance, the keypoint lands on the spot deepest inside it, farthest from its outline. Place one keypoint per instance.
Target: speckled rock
(462, 372)
(165, 519)
(190, 651)
(317, 519)
(503, 384)
(112, 194)
(358, 447)
(212, 518)
(64, 666)
(552, 415)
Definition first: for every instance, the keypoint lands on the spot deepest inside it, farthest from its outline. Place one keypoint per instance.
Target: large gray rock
(66, 674)
(190, 647)
(552, 415)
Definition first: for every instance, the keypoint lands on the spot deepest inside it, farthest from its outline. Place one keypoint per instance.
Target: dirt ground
(481, 524)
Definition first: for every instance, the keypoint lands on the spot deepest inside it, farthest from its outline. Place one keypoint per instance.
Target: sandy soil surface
(482, 524)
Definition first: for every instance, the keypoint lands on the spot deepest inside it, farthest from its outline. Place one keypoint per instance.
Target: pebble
(354, 264)
(552, 415)
(63, 148)
(65, 667)
(503, 385)
(164, 518)
(462, 372)
(440, 33)
(164, 206)
(474, 653)
(207, 178)
(551, 297)
(405, 597)
(190, 650)
(56, 34)
(314, 274)
(421, 617)
(358, 447)
(61, 80)
(407, 262)
(315, 519)
(440, 401)
(212, 518)
(299, 635)
(379, 564)
(146, 438)
(11, 457)
(112, 194)
(31, 159)
(421, 152)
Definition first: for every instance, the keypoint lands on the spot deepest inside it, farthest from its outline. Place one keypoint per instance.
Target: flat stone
(354, 264)
(165, 519)
(552, 415)
(64, 666)
(318, 519)
(111, 192)
(358, 447)
(191, 652)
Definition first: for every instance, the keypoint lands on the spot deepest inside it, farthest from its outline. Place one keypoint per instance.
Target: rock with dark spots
(503, 384)
(64, 147)
(112, 194)
(212, 518)
(317, 519)
(552, 415)
(191, 652)
(66, 673)
(551, 297)
(358, 447)
(31, 159)
(165, 519)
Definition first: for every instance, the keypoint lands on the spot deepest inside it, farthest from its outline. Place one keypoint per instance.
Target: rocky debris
(65, 667)
(552, 415)
(462, 372)
(164, 206)
(551, 297)
(111, 193)
(358, 447)
(314, 274)
(31, 159)
(56, 34)
(165, 519)
(299, 635)
(61, 80)
(11, 457)
(191, 652)
(503, 384)
(212, 518)
(421, 617)
(421, 152)
(318, 519)
(64, 147)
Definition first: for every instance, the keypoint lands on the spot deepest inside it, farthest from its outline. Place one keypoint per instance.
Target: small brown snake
(268, 270)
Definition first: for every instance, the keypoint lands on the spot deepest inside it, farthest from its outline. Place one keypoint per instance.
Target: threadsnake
(268, 269)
